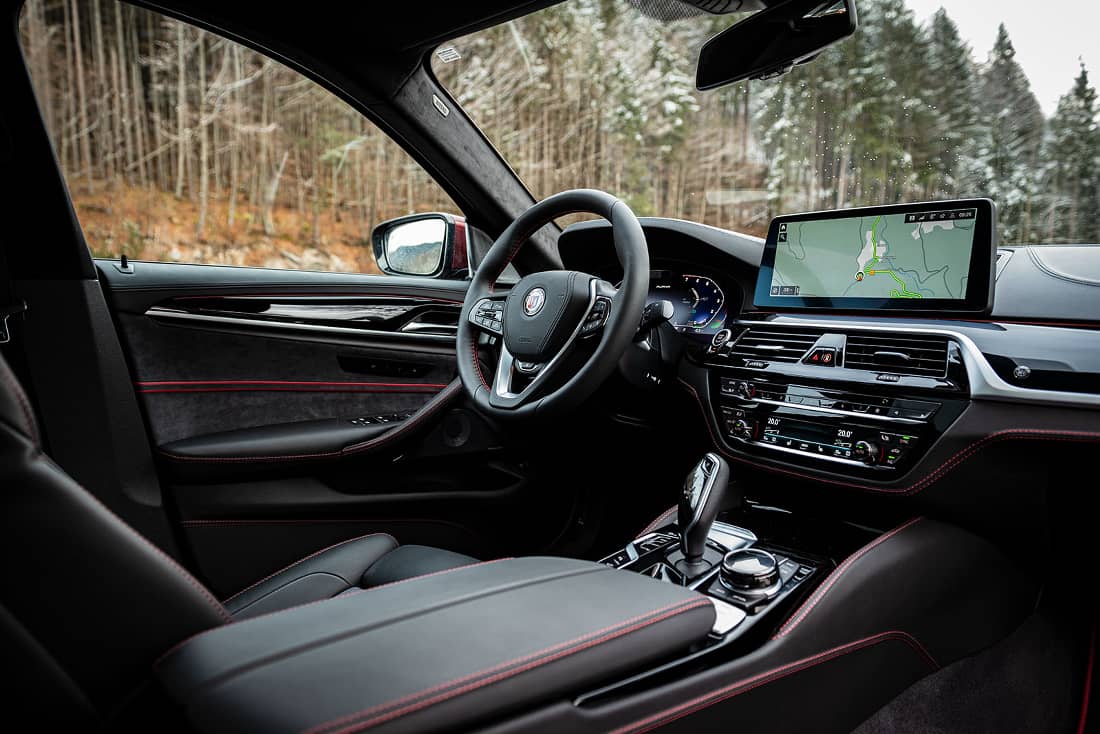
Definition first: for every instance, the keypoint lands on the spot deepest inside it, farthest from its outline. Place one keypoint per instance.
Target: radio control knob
(866, 452)
(742, 429)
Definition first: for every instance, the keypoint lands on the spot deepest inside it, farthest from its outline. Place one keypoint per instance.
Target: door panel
(291, 410)
(197, 377)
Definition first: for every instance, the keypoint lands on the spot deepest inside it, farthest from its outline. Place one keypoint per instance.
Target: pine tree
(1011, 158)
(1074, 166)
(952, 71)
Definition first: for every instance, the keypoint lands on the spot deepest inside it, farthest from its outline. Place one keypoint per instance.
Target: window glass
(923, 102)
(180, 145)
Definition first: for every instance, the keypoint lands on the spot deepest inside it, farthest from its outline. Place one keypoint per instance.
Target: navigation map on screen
(911, 255)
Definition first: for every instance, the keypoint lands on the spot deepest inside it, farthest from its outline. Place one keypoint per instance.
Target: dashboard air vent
(904, 354)
(774, 344)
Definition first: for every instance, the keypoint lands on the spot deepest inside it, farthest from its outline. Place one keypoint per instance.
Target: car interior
(536, 472)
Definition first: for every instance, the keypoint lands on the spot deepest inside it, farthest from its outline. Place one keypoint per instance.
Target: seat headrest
(15, 408)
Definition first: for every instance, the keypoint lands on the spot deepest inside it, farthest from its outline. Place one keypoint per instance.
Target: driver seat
(88, 604)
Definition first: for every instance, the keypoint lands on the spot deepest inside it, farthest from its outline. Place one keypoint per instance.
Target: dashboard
(928, 403)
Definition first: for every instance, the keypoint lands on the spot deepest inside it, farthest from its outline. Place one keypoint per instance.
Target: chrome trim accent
(823, 457)
(834, 411)
(985, 383)
(724, 528)
(419, 326)
(159, 312)
(726, 616)
(502, 380)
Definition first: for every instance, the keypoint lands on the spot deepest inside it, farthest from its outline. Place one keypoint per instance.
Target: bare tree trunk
(181, 112)
(270, 194)
(108, 146)
(204, 145)
(136, 104)
(85, 168)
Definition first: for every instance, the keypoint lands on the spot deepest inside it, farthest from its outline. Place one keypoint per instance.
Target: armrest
(450, 649)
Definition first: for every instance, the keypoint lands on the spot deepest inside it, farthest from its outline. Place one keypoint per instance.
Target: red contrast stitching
(436, 694)
(303, 560)
(1088, 683)
(518, 243)
(744, 686)
(180, 570)
(1031, 434)
(438, 401)
(302, 294)
(186, 640)
(200, 386)
(809, 604)
(477, 360)
(660, 520)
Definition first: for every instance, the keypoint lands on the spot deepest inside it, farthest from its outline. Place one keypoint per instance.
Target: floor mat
(1030, 682)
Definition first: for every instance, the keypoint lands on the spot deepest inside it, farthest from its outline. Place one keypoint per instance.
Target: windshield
(596, 93)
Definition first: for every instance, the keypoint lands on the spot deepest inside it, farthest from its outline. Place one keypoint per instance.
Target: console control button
(719, 339)
(866, 452)
(617, 560)
(742, 429)
(822, 356)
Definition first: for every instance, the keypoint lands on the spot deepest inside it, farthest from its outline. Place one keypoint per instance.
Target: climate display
(699, 303)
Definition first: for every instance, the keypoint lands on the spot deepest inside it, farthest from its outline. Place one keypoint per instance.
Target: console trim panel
(985, 383)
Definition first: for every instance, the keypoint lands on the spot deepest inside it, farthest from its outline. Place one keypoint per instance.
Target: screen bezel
(979, 289)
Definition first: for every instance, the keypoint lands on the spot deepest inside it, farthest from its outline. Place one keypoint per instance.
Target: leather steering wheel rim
(625, 304)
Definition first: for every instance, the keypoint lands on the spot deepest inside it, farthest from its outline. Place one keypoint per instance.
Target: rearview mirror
(773, 41)
(427, 245)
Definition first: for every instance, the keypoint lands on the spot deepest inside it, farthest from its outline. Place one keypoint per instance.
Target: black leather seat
(354, 565)
(87, 604)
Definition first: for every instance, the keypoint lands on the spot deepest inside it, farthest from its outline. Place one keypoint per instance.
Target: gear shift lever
(704, 490)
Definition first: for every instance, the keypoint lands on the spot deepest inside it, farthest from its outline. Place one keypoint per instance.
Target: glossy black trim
(377, 316)
(979, 294)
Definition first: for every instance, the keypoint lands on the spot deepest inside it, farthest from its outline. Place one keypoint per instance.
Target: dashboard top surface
(1041, 284)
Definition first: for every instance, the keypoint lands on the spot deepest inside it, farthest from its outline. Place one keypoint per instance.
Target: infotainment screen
(934, 256)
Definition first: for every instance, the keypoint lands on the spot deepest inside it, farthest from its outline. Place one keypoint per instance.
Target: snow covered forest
(180, 145)
(590, 92)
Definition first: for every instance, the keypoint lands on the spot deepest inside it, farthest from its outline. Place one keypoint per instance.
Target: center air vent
(774, 344)
(904, 354)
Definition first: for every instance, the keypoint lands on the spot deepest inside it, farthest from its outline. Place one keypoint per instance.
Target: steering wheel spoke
(488, 315)
(560, 332)
(508, 368)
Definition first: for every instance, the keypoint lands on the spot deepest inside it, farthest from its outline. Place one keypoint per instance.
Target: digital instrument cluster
(699, 302)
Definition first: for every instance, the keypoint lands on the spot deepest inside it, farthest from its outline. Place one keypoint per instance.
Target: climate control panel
(867, 433)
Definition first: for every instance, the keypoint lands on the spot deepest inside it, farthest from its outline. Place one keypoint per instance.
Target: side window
(179, 145)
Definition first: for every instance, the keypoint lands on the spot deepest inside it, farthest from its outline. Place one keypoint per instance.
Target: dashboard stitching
(670, 715)
(809, 605)
(1036, 434)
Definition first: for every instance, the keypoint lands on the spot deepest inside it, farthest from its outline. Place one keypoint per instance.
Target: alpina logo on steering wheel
(534, 301)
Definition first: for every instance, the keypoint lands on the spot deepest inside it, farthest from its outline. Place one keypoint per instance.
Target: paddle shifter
(700, 500)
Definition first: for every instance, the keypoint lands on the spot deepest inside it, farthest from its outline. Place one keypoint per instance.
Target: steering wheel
(547, 315)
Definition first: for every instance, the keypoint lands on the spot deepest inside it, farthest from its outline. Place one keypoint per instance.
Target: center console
(744, 577)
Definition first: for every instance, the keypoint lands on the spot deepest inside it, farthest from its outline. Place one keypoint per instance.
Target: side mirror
(772, 41)
(429, 245)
